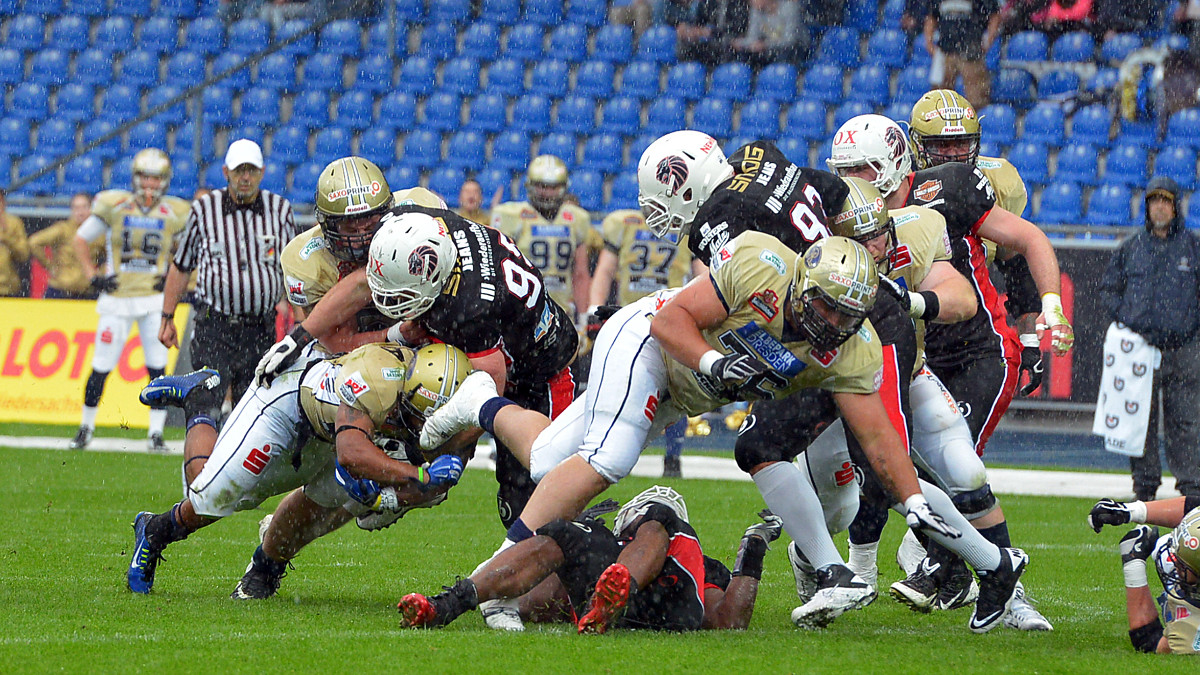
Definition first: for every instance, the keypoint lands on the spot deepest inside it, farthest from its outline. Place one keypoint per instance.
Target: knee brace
(94, 389)
(976, 503)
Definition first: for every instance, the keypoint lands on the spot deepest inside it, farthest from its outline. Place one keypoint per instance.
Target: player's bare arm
(867, 419)
(956, 298)
(357, 452)
(678, 324)
(606, 269)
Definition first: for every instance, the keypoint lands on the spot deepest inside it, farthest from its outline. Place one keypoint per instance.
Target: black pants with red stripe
(515, 483)
(984, 388)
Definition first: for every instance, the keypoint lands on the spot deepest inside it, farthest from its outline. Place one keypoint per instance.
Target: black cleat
(958, 589)
(997, 589)
(258, 583)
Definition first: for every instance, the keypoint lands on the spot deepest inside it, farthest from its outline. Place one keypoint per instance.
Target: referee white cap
(243, 151)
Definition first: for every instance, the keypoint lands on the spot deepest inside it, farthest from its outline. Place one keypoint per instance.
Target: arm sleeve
(1023, 295)
(91, 229)
(38, 241)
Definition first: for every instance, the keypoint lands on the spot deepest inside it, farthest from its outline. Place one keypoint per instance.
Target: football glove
(1062, 336)
(160, 282)
(736, 369)
(921, 517)
(1031, 362)
(104, 284)
(1138, 543)
(281, 355)
(893, 289)
(596, 319)
(595, 511)
(1108, 512)
(445, 470)
(362, 490)
(768, 530)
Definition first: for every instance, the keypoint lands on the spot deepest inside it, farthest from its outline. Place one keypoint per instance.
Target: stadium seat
(657, 44)
(561, 146)
(416, 75)
(397, 110)
(12, 67)
(637, 146)
(759, 119)
(184, 69)
(806, 121)
(1183, 128)
(1118, 46)
(731, 82)
(45, 185)
(1138, 133)
(453, 11)
(159, 35)
(119, 103)
(576, 115)
(55, 137)
(569, 42)
(121, 174)
(888, 48)
(1032, 160)
(1078, 163)
(1058, 84)
(595, 79)
(274, 176)
(918, 56)
(1126, 165)
(86, 8)
(493, 178)
(83, 174)
(249, 36)
(1046, 124)
(177, 9)
(501, 12)
(543, 12)
(1061, 204)
(461, 76)
(486, 113)
(1104, 80)
(172, 116)
(622, 115)
(339, 37)
(253, 132)
(138, 9)
(14, 136)
(899, 112)
(911, 84)
(374, 74)
(614, 43)
(666, 114)
(217, 103)
(422, 149)
(379, 145)
(861, 14)
(481, 40)
(531, 114)
(289, 144)
(591, 13)
(113, 35)
(524, 42)
(185, 139)
(848, 110)
(510, 151)
(205, 35)
(231, 62)
(624, 192)
(307, 44)
(1192, 216)
(354, 109)
(1077, 47)
(30, 101)
(277, 72)
(92, 67)
(1014, 87)
(869, 84)
(998, 123)
(1030, 45)
(259, 106)
(549, 78)
(304, 182)
(822, 82)
(795, 149)
(70, 33)
(75, 102)
(331, 143)
(839, 47)
(506, 77)
(465, 150)
(139, 69)
(1173, 41)
(26, 32)
(91, 132)
(1178, 163)
(714, 116)
(601, 152)
(146, 135)
(438, 41)
(777, 82)
(588, 186)
(49, 67)
(442, 112)
(1092, 124)
(640, 80)
(1109, 205)
(686, 80)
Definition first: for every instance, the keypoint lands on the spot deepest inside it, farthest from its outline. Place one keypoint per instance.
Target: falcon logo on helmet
(423, 262)
(672, 172)
(893, 137)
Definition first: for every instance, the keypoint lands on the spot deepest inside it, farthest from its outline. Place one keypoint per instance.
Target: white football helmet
(876, 141)
(411, 259)
(639, 505)
(676, 175)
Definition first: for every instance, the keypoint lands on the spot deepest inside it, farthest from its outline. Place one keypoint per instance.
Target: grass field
(65, 542)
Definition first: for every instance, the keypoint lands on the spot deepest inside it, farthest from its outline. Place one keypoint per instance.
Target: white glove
(388, 501)
(1062, 336)
(921, 517)
(281, 355)
(394, 335)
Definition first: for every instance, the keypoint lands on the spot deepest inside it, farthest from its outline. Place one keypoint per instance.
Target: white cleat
(502, 614)
(910, 554)
(461, 412)
(1024, 616)
(838, 591)
(806, 576)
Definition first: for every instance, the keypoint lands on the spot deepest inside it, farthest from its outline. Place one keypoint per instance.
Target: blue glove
(362, 490)
(445, 470)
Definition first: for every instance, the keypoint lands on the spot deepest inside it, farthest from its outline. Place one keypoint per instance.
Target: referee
(233, 237)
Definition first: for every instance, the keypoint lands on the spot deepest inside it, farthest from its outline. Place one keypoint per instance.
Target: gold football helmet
(1185, 544)
(834, 288)
(546, 183)
(864, 216)
(432, 378)
(155, 163)
(944, 127)
(350, 188)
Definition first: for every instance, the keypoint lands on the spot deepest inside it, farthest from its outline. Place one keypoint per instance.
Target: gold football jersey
(14, 249)
(753, 274)
(54, 248)
(368, 379)
(138, 241)
(645, 263)
(921, 240)
(1006, 181)
(550, 246)
(1183, 626)
(309, 268)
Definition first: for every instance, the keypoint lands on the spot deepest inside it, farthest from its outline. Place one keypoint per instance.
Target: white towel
(1123, 406)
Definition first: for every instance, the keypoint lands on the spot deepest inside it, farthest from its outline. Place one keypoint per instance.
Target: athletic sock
(158, 420)
(997, 534)
(89, 417)
(979, 553)
(792, 498)
(487, 412)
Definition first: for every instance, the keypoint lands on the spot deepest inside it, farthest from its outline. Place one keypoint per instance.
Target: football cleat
(173, 390)
(910, 554)
(612, 592)
(258, 583)
(802, 570)
(156, 444)
(502, 615)
(381, 520)
(997, 589)
(1023, 615)
(958, 589)
(920, 589)
(146, 556)
(461, 412)
(82, 438)
(838, 591)
(416, 611)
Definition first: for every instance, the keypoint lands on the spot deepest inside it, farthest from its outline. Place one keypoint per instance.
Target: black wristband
(1145, 639)
(350, 427)
(932, 306)
(168, 316)
(301, 335)
(750, 556)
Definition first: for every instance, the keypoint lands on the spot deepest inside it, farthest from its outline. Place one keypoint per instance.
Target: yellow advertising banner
(46, 357)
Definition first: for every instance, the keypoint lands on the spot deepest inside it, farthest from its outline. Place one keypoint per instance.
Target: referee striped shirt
(236, 250)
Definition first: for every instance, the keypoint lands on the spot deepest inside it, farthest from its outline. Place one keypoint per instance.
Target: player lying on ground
(649, 572)
(318, 427)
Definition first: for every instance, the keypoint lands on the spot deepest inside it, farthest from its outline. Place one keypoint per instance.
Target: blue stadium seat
(911, 85)
(278, 72)
(92, 67)
(121, 174)
(56, 137)
(422, 149)
(1105, 79)
(806, 120)
(1061, 205)
(252, 132)
(848, 110)
(172, 116)
(777, 82)
(461, 76)
(70, 33)
(493, 178)
(506, 77)
(186, 69)
(601, 152)
(549, 78)
(30, 101)
(1109, 205)
(14, 136)
(595, 79)
(1126, 165)
(26, 32)
(733, 144)
(354, 109)
(442, 112)
(532, 114)
(624, 192)
(217, 103)
(331, 143)
(412, 11)
(113, 35)
(795, 149)
(397, 110)
(569, 42)
(614, 43)
(510, 151)
(870, 85)
(401, 177)
(205, 35)
(139, 68)
(12, 66)
(999, 123)
(524, 42)
(184, 176)
(75, 102)
(340, 37)
(822, 82)
(378, 145)
(177, 9)
(91, 132)
(304, 182)
(374, 73)
(1179, 163)
(85, 8)
(466, 150)
(274, 176)
(502, 12)
(1092, 124)
(731, 82)
(543, 12)
(453, 11)
(238, 77)
(1138, 133)
(83, 174)
(1032, 160)
(887, 47)
(1117, 47)
(1014, 87)
(665, 115)
(146, 135)
(289, 144)
(714, 116)
(861, 14)
(1077, 47)
(640, 80)
(308, 44)
(185, 139)
(561, 146)
(638, 146)
(839, 46)
(438, 41)
(159, 35)
(657, 44)
(1030, 45)
(486, 113)
(621, 115)
(759, 119)
(44, 185)
(1174, 42)
(138, 9)
(259, 106)
(1045, 124)
(576, 115)
(901, 112)
(248, 36)
(49, 67)
(1078, 163)
(686, 80)
(1193, 214)
(591, 13)
(588, 186)
(417, 75)
(918, 56)
(481, 40)
(446, 181)
(324, 72)
(1183, 128)
(1058, 83)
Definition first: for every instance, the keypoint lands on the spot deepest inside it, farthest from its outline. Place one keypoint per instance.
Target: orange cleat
(612, 592)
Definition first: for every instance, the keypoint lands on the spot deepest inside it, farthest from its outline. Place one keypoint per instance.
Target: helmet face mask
(411, 259)
(151, 163)
(546, 184)
(352, 194)
(874, 141)
(637, 507)
(864, 217)
(1185, 549)
(944, 127)
(834, 289)
(676, 174)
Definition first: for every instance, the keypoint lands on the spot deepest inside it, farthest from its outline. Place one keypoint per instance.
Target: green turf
(65, 542)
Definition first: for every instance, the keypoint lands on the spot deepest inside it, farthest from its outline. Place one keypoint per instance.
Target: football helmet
(418, 196)
(864, 216)
(941, 117)
(639, 505)
(875, 141)
(151, 162)
(676, 174)
(350, 188)
(546, 184)
(1185, 545)
(833, 290)
(411, 259)
(432, 378)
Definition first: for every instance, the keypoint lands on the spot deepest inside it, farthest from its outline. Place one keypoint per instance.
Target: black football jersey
(767, 193)
(495, 299)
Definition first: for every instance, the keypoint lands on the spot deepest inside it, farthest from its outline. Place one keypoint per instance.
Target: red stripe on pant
(1010, 346)
(1012, 371)
(686, 552)
(889, 391)
(562, 392)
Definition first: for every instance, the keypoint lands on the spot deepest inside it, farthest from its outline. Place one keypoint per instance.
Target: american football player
(318, 425)
(138, 229)
(648, 572)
